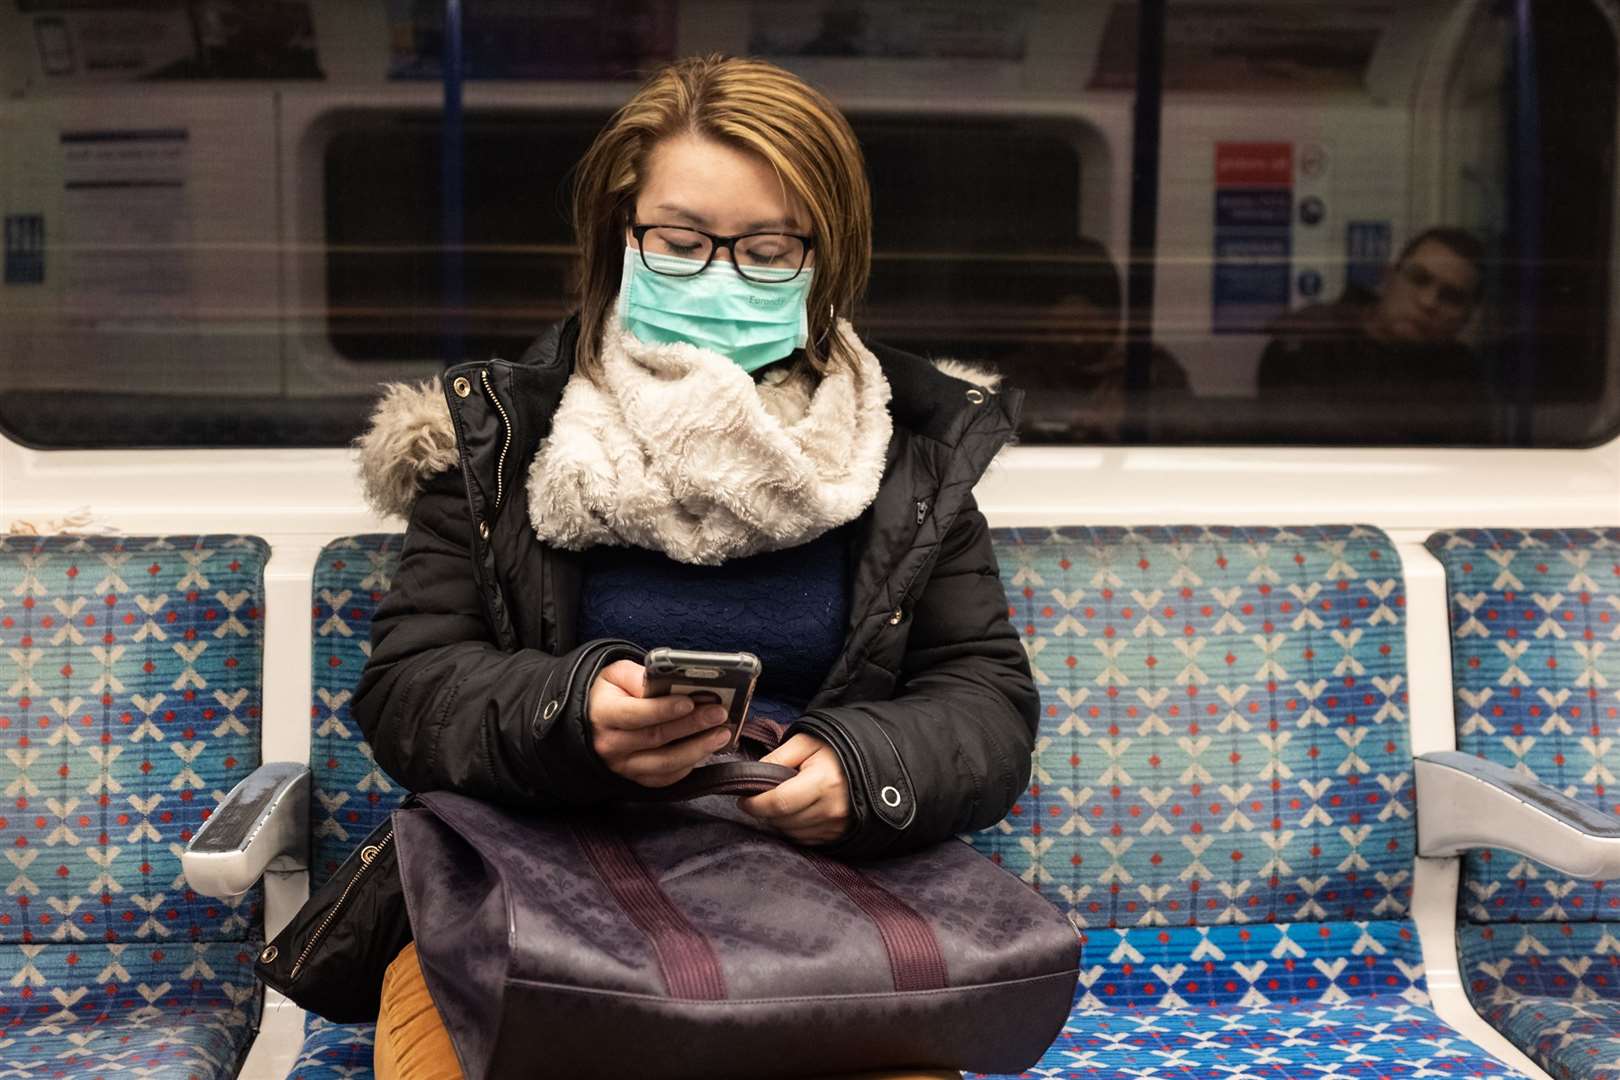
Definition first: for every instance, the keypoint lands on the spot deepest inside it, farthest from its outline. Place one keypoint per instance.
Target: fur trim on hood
(968, 373)
(411, 437)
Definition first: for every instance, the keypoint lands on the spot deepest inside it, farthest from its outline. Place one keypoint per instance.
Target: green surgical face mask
(753, 323)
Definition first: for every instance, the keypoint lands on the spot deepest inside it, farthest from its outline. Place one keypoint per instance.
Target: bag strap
(725, 778)
(685, 957)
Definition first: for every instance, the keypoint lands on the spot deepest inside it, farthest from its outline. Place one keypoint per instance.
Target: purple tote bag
(676, 941)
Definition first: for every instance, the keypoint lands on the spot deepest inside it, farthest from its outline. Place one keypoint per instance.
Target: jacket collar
(414, 436)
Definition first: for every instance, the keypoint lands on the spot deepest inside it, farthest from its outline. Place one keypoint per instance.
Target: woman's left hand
(813, 807)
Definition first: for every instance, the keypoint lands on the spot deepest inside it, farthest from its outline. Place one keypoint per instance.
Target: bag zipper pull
(922, 510)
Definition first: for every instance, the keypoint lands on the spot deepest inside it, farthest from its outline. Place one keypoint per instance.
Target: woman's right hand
(652, 741)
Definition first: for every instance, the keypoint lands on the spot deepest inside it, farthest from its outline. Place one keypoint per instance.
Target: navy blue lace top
(789, 608)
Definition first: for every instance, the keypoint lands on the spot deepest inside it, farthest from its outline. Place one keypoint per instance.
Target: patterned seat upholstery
(1222, 802)
(130, 690)
(1222, 798)
(1535, 645)
(351, 795)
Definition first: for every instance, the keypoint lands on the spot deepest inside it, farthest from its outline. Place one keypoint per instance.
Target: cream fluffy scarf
(678, 450)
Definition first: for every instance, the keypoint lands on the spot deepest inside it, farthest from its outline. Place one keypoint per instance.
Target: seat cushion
(1373, 1037)
(352, 795)
(333, 1051)
(1266, 1000)
(169, 1009)
(1224, 725)
(1552, 988)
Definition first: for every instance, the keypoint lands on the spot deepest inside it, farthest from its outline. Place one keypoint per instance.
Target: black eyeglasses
(768, 258)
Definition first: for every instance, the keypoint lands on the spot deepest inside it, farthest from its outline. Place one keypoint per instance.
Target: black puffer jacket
(477, 682)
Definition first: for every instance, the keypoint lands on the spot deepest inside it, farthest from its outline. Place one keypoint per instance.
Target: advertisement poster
(127, 214)
(1274, 232)
(1250, 48)
(521, 39)
(890, 29)
(1254, 202)
(92, 40)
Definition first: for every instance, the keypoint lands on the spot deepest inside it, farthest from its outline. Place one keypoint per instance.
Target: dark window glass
(223, 263)
(384, 231)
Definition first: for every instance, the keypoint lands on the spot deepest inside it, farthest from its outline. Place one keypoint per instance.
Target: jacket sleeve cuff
(560, 729)
(883, 802)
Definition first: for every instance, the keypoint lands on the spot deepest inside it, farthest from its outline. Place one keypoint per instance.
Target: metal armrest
(263, 824)
(1464, 802)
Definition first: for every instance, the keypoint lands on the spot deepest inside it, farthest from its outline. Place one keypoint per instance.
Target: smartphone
(711, 678)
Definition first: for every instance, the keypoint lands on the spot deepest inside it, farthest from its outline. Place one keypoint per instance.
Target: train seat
(350, 794)
(1535, 639)
(1222, 801)
(130, 691)
(1222, 798)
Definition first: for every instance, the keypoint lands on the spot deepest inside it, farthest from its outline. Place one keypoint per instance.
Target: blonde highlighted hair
(755, 107)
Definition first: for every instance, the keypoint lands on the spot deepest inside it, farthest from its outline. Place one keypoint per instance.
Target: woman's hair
(753, 106)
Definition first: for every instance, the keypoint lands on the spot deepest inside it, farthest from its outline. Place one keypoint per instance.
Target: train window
(384, 234)
(1376, 224)
(1021, 179)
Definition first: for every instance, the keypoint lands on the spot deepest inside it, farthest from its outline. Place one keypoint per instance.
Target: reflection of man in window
(1389, 368)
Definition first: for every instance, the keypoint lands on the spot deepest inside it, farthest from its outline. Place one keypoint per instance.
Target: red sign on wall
(1257, 164)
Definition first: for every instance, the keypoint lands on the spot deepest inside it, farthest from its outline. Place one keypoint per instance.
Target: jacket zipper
(506, 438)
(368, 856)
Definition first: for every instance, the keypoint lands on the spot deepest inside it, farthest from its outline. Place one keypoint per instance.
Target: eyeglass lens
(760, 257)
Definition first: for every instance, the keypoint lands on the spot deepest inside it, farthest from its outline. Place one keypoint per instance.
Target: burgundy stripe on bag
(685, 958)
(914, 953)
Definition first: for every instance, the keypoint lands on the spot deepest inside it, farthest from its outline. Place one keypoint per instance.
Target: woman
(707, 456)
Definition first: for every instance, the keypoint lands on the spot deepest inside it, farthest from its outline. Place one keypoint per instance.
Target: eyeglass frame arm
(1465, 802)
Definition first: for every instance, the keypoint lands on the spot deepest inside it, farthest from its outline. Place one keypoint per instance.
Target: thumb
(627, 675)
(794, 752)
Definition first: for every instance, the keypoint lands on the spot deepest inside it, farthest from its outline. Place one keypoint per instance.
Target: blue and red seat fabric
(1222, 798)
(1223, 804)
(131, 685)
(1535, 641)
(350, 794)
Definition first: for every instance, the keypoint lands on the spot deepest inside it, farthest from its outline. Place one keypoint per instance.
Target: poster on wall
(1275, 222)
(1250, 48)
(521, 39)
(891, 29)
(1254, 201)
(126, 213)
(94, 40)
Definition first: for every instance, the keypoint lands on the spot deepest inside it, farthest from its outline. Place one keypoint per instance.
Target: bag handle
(724, 778)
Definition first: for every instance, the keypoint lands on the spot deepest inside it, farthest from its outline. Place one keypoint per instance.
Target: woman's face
(692, 180)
